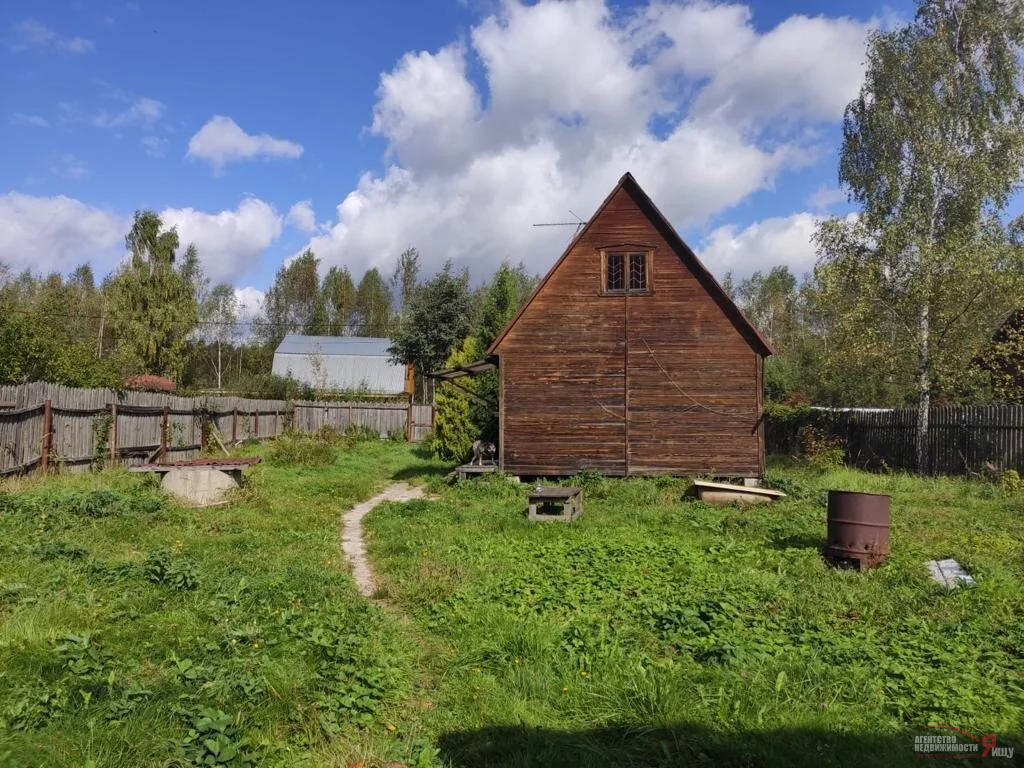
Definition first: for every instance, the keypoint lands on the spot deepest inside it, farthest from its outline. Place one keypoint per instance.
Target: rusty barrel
(858, 528)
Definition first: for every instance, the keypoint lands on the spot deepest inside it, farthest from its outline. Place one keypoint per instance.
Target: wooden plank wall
(645, 384)
(135, 420)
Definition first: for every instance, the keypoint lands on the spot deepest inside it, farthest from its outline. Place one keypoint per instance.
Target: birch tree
(932, 151)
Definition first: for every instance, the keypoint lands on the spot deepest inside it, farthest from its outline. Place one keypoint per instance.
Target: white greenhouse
(341, 363)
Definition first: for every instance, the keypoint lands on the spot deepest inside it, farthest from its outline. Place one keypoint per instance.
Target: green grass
(655, 631)
(661, 631)
(134, 632)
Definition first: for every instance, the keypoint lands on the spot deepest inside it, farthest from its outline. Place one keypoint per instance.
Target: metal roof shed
(341, 363)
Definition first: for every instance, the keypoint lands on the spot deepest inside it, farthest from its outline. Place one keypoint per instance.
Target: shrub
(298, 449)
(359, 433)
(454, 426)
(822, 450)
(149, 383)
(1010, 481)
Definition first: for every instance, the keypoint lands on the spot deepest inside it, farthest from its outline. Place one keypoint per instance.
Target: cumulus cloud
(302, 216)
(56, 234)
(249, 303)
(804, 68)
(701, 106)
(230, 242)
(825, 197)
(31, 34)
(221, 141)
(760, 246)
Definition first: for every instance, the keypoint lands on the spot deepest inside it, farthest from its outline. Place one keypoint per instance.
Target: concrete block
(201, 486)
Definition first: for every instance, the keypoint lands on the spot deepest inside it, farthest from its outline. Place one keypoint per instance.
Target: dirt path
(352, 543)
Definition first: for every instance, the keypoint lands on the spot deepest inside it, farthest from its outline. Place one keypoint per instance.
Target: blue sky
(449, 126)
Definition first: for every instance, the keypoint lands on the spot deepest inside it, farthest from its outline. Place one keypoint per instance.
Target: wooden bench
(546, 496)
(472, 470)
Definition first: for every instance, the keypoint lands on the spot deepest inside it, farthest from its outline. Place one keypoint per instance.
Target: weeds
(134, 632)
(174, 571)
(302, 450)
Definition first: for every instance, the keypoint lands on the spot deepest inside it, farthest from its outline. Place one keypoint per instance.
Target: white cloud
(302, 216)
(46, 234)
(762, 245)
(675, 93)
(825, 197)
(804, 68)
(142, 111)
(249, 303)
(222, 141)
(230, 242)
(29, 34)
(155, 146)
(35, 121)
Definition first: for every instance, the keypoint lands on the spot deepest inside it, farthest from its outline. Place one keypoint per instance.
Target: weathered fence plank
(962, 439)
(134, 423)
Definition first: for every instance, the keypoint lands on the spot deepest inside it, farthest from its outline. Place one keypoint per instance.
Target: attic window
(625, 271)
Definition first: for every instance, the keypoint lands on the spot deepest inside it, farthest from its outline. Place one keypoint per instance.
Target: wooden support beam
(47, 446)
(164, 423)
(112, 437)
(408, 422)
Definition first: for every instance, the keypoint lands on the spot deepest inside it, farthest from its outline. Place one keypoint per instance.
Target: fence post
(234, 425)
(47, 435)
(203, 426)
(295, 414)
(163, 433)
(256, 422)
(112, 439)
(408, 422)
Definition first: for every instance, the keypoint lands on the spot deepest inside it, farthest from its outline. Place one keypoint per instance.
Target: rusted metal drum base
(858, 529)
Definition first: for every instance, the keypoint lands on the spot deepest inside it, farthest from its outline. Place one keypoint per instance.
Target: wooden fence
(963, 439)
(46, 425)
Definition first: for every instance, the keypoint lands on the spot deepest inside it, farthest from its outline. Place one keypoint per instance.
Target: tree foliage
(435, 322)
(151, 299)
(932, 148)
(294, 302)
(372, 315)
(339, 299)
(501, 298)
(1003, 359)
(405, 278)
(454, 426)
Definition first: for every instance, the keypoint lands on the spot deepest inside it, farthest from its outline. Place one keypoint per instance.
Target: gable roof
(357, 346)
(704, 277)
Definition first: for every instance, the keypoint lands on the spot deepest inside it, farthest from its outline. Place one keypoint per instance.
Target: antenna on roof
(579, 223)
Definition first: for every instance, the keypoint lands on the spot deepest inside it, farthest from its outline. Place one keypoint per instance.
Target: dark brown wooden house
(630, 359)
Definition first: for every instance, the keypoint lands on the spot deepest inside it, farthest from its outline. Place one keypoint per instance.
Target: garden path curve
(352, 543)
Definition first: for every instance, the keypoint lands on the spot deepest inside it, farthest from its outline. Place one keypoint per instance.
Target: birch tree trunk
(924, 389)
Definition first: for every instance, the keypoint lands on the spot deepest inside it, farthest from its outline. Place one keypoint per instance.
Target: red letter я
(988, 742)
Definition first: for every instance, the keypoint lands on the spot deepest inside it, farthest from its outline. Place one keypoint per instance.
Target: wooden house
(630, 359)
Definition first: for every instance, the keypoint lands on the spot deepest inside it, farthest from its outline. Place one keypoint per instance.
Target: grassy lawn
(134, 632)
(654, 631)
(660, 631)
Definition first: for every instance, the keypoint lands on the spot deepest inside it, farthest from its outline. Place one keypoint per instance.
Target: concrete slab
(950, 574)
(201, 486)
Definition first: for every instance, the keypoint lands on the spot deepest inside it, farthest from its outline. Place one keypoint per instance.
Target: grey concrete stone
(201, 486)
